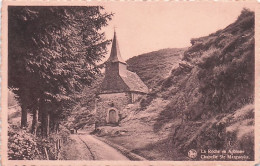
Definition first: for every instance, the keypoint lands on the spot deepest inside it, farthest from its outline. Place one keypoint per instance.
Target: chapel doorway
(112, 116)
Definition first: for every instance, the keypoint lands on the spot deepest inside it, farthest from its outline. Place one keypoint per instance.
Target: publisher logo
(192, 154)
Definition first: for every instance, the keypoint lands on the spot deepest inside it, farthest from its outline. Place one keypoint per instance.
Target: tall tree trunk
(45, 119)
(24, 104)
(35, 121)
(56, 127)
(48, 124)
(52, 123)
(24, 115)
(45, 123)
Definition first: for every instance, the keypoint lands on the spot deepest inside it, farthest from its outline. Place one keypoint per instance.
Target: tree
(82, 118)
(53, 53)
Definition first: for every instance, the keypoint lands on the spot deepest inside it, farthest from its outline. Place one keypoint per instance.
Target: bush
(21, 145)
(25, 146)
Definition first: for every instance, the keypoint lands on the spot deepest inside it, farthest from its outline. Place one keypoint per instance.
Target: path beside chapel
(86, 147)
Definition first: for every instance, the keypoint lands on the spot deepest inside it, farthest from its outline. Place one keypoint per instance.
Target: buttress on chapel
(119, 88)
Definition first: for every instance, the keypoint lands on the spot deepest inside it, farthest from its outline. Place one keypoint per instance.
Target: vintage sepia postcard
(121, 83)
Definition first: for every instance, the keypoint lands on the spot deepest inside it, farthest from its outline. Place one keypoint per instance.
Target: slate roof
(133, 82)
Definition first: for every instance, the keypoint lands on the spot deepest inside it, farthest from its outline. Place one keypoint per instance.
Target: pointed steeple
(115, 55)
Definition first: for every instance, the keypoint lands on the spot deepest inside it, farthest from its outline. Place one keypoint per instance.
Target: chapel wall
(105, 102)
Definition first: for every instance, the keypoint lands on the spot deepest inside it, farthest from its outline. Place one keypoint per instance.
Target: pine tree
(53, 52)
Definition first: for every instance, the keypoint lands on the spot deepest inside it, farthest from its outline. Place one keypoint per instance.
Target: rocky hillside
(207, 102)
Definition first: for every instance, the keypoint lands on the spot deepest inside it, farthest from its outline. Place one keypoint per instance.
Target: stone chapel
(119, 88)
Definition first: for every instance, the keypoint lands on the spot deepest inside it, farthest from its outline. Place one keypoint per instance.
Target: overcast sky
(149, 26)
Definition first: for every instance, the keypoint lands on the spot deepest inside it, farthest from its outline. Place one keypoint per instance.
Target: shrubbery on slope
(216, 78)
(213, 83)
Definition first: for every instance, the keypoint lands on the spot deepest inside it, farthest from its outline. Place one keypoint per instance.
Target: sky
(143, 27)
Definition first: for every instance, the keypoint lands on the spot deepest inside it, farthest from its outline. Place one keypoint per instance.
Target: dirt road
(87, 147)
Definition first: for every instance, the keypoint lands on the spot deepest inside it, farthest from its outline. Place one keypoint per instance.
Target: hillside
(207, 102)
(155, 66)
